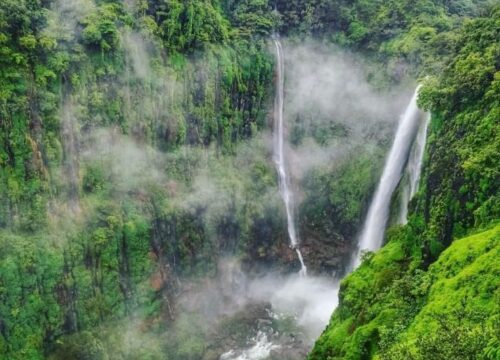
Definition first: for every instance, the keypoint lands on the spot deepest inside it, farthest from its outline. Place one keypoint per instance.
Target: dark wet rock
(323, 254)
(264, 322)
(236, 330)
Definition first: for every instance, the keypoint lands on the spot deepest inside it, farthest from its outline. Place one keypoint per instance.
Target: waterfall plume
(373, 230)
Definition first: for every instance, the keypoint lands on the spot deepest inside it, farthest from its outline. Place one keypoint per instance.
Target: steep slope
(448, 312)
(110, 113)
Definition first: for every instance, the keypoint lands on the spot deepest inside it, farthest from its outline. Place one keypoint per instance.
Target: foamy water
(260, 350)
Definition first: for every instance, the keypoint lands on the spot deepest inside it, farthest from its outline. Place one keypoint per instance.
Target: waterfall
(378, 213)
(413, 169)
(279, 153)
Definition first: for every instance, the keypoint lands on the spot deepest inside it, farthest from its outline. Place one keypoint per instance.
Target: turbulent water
(279, 153)
(413, 169)
(261, 350)
(307, 302)
(378, 213)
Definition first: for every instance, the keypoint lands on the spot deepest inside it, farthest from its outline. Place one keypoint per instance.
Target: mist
(311, 299)
(283, 313)
(65, 17)
(325, 89)
(331, 113)
(199, 179)
(326, 86)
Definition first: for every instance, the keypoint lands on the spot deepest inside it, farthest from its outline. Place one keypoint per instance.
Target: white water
(279, 153)
(310, 299)
(260, 350)
(378, 213)
(413, 169)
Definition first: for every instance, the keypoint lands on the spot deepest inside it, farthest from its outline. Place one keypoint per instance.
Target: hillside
(449, 311)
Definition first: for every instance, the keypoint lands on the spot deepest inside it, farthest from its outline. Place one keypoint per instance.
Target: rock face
(323, 255)
(327, 256)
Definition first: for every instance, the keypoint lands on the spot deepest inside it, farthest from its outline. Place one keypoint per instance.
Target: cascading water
(413, 169)
(279, 153)
(378, 213)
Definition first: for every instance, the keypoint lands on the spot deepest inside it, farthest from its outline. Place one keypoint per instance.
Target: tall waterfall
(413, 169)
(279, 153)
(378, 213)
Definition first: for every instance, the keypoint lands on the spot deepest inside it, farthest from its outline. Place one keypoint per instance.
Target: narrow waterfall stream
(413, 169)
(373, 231)
(279, 153)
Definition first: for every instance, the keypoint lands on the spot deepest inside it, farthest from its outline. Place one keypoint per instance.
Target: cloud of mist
(223, 295)
(137, 52)
(332, 112)
(194, 180)
(311, 300)
(323, 89)
(220, 181)
(326, 86)
(129, 165)
(66, 16)
(310, 155)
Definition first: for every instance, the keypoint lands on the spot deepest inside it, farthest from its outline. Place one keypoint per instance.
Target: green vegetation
(449, 311)
(94, 226)
(124, 68)
(336, 199)
(406, 35)
(129, 161)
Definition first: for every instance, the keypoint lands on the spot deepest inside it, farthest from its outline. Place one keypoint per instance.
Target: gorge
(178, 181)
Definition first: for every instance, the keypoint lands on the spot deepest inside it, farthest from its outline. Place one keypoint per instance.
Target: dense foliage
(408, 36)
(447, 312)
(92, 96)
(91, 63)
